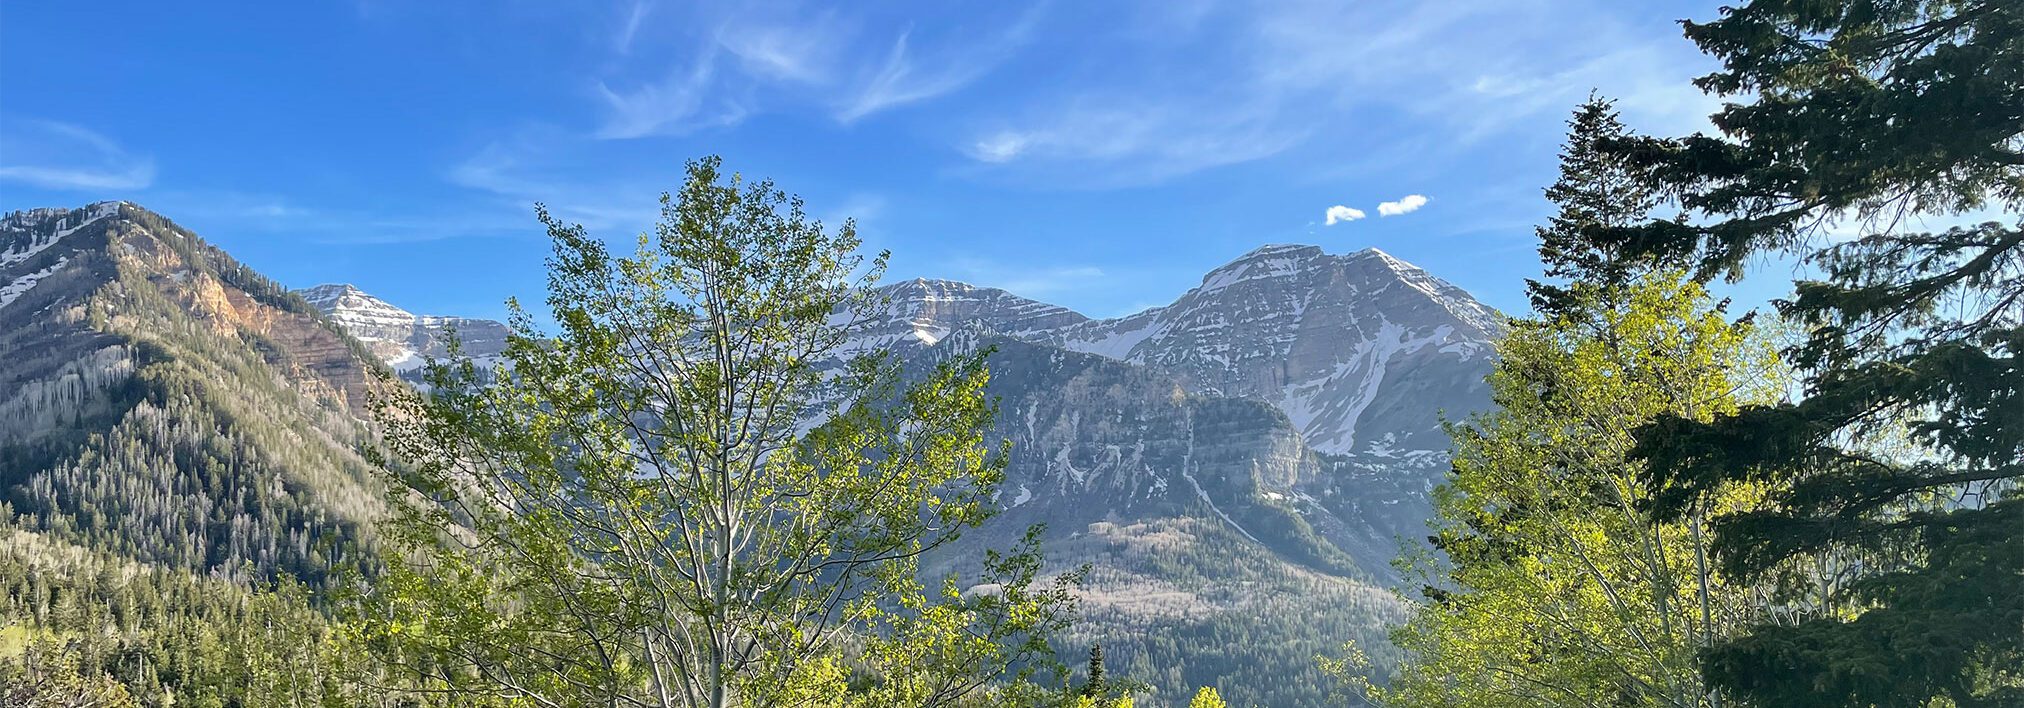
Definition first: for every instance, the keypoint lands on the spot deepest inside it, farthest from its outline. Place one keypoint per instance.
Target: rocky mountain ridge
(162, 401)
(1363, 352)
(1346, 362)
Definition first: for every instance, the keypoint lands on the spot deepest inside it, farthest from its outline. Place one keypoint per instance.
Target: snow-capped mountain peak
(1363, 352)
(357, 310)
(1335, 341)
(401, 338)
(1264, 262)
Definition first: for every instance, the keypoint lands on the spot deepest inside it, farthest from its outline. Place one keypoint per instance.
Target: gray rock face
(1098, 440)
(404, 340)
(921, 312)
(1294, 397)
(1362, 351)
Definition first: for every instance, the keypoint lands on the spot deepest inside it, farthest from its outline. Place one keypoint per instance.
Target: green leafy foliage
(1552, 585)
(692, 496)
(1207, 698)
(1555, 588)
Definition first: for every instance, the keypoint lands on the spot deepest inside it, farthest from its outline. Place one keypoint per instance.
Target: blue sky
(1100, 155)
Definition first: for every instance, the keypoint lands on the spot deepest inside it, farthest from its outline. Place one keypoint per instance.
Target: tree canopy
(1852, 125)
(693, 495)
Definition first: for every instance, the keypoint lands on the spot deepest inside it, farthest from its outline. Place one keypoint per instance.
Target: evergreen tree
(1600, 196)
(1094, 686)
(1871, 116)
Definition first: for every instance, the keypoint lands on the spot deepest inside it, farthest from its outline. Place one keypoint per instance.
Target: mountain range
(1236, 467)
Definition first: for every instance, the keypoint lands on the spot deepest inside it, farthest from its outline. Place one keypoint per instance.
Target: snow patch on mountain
(402, 339)
(21, 285)
(38, 229)
(1328, 339)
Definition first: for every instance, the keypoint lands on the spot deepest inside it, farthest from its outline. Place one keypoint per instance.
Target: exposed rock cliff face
(403, 339)
(1361, 351)
(1095, 439)
(934, 308)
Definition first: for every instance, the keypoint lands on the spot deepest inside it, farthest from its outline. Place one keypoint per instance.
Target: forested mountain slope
(163, 402)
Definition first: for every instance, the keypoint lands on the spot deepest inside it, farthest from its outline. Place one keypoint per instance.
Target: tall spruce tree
(1599, 194)
(1870, 117)
(1094, 686)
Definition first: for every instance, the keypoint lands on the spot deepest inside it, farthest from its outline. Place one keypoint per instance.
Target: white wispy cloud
(1645, 80)
(898, 82)
(782, 56)
(530, 168)
(1339, 214)
(1000, 147)
(792, 53)
(911, 74)
(1133, 143)
(1333, 80)
(1406, 205)
(1503, 67)
(631, 27)
(680, 103)
(905, 78)
(57, 155)
(235, 212)
(1033, 282)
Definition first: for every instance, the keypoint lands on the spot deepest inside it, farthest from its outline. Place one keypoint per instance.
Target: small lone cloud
(1339, 213)
(999, 148)
(1037, 281)
(1407, 205)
